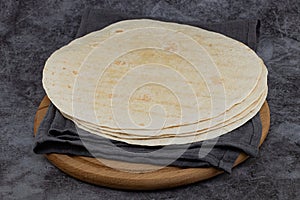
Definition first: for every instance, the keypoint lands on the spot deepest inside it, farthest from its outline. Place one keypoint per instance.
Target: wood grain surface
(124, 175)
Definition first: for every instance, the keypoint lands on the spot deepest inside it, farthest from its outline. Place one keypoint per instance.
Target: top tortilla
(112, 77)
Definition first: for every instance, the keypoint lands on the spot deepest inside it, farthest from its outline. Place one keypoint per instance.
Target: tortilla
(71, 75)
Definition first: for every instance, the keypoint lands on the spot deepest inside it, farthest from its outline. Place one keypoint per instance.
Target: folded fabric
(57, 134)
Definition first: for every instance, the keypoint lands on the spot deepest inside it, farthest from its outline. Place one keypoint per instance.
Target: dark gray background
(31, 30)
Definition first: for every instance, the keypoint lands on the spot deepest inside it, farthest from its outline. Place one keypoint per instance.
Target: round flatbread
(115, 78)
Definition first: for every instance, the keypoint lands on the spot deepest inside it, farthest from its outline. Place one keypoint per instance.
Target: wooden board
(91, 170)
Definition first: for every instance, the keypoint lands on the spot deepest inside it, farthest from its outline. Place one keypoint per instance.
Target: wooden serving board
(91, 170)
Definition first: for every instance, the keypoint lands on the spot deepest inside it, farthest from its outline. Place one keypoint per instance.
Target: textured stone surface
(31, 30)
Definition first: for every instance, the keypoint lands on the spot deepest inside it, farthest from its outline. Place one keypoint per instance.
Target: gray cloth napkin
(57, 134)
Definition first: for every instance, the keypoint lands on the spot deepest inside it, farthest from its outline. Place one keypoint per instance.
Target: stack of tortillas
(152, 83)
